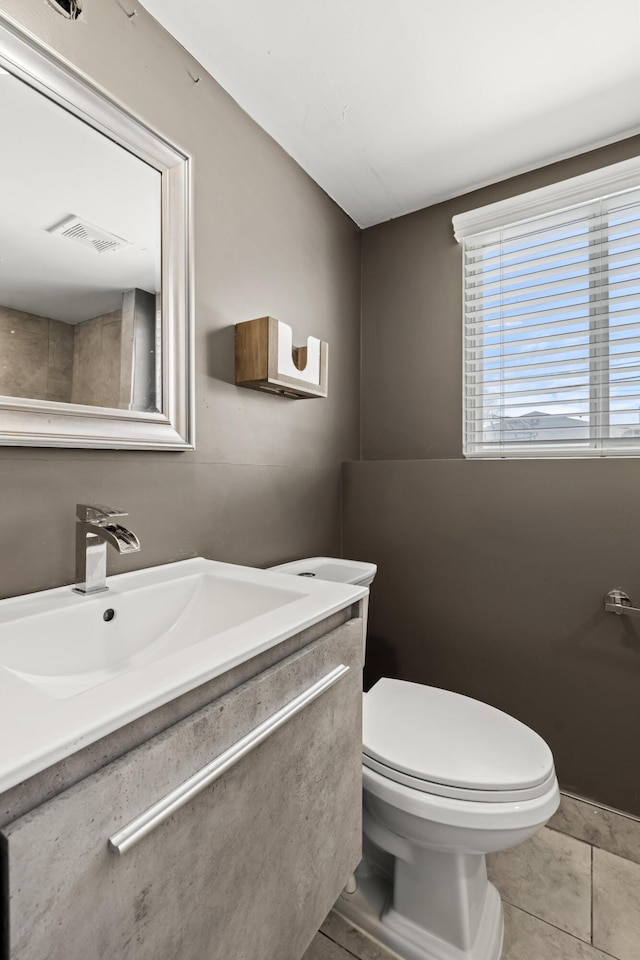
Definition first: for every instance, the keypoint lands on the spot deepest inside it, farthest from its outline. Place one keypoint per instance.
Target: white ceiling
(53, 165)
(392, 105)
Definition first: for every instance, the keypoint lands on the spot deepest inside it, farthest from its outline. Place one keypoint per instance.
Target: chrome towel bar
(156, 814)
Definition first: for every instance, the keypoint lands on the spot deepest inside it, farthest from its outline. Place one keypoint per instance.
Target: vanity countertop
(76, 668)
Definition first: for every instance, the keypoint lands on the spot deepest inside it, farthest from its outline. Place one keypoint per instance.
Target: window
(552, 320)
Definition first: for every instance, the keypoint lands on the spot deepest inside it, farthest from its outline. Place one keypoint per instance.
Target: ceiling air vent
(70, 9)
(100, 240)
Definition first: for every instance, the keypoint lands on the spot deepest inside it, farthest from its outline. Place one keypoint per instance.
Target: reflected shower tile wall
(60, 369)
(24, 348)
(36, 356)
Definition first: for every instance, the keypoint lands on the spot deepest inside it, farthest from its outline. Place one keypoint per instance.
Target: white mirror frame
(42, 423)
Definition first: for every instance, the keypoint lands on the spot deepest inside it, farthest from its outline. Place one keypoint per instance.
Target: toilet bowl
(446, 780)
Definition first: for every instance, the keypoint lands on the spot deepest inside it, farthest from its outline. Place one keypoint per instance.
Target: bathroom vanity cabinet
(246, 870)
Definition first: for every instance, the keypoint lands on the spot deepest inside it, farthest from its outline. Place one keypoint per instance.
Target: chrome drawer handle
(162, 809)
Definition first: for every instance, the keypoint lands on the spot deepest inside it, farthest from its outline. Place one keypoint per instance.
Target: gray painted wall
(453, 539)
(264, 483)
(491, 574)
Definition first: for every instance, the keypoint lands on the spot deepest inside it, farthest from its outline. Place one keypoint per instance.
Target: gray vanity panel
(25, 796)
(246, 871)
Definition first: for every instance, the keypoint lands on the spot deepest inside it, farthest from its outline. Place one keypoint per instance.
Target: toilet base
(370, 910)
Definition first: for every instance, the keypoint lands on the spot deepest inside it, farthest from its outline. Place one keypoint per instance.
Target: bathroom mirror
(95, 264)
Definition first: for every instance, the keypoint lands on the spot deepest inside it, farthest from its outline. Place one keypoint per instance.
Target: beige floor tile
(616, 905)
(527, 938)
(358, 945)
(549, 876)
(608, 829)
(322, 948)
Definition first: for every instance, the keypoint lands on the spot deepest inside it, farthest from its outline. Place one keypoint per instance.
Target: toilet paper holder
(619, 602)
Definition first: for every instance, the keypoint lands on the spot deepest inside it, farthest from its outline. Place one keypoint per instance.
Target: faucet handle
(98, 513)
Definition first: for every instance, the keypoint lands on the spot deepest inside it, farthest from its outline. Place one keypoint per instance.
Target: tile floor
(525, 938)
(579, 880)
(337, 940)
(570, 893)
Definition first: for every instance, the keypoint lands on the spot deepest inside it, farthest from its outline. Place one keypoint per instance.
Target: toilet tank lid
(331, 568)
(446, 738)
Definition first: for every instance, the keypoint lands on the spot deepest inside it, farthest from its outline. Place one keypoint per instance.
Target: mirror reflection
(80, 267)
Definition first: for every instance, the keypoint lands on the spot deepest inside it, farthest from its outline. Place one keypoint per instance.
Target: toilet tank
(336, 570)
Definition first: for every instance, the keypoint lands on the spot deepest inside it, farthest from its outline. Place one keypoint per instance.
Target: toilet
(446, 780)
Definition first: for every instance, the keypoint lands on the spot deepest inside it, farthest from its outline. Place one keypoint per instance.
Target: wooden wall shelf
(267, 360)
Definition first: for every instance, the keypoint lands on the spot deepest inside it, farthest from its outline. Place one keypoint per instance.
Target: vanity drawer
(247, 869)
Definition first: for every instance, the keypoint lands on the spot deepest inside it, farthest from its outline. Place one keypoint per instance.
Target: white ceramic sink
(65, 651)
(74, 668)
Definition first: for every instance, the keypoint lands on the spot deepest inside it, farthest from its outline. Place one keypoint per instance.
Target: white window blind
(552, 328)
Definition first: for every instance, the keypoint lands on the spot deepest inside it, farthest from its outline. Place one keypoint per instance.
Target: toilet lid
(444, 738)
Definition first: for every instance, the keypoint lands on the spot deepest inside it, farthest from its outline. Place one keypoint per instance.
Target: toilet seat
(458, 793)
(468, 813)
(445, 744)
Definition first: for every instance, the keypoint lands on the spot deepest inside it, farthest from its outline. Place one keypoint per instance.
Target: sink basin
(75, 668)
(66, 651)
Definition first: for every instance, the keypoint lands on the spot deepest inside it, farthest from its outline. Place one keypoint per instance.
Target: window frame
(547, 201)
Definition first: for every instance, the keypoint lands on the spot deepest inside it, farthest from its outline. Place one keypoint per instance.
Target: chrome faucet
(94, 530)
